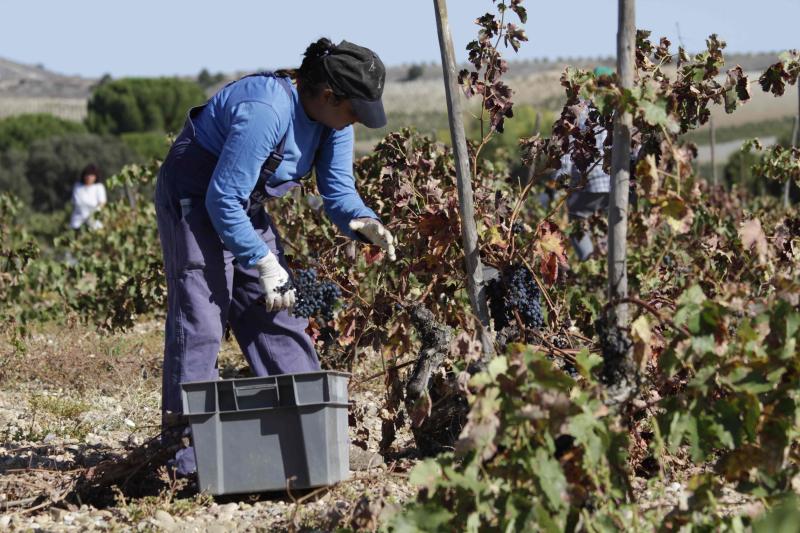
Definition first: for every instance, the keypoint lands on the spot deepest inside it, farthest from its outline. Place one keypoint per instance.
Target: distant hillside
(31, 81)
(33, 89)
(525, 68)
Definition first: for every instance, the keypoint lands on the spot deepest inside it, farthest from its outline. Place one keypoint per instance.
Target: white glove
(272, 276)
(376, 233)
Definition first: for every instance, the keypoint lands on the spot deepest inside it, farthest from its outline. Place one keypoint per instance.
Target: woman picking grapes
(254, 140)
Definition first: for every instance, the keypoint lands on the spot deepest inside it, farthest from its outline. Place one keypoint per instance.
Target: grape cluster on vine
(313, 297)
(615, 342)
(561, 342)
(515, 293)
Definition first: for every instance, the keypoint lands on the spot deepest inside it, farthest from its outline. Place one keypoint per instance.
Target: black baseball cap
(358, 74)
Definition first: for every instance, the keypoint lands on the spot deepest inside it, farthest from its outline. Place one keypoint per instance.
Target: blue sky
(164, 37)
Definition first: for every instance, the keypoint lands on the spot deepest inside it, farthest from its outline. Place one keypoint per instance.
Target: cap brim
(369, 112)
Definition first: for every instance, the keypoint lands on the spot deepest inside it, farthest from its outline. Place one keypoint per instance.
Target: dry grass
(81, 359)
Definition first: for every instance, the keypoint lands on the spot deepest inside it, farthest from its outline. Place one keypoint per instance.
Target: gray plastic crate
(254, 434)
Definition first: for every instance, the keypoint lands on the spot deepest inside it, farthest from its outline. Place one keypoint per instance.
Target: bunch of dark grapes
(517, 228)
(561, 342)
(514, 293)
(330, 294)
(614, 341)
(313, 297)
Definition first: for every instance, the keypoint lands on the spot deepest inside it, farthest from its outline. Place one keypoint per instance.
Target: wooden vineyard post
(469, 232)
(130, 195)
(620, 171)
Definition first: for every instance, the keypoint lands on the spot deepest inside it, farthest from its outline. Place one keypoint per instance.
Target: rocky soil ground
(71, 399)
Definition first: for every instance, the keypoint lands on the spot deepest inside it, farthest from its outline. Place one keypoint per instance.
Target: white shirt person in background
(87, 197)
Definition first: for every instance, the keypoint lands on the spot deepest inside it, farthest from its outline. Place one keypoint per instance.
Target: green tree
(21, 130)
(142, 104)
(148, 145)
(13, 174)
(738, 170)
(54, 165)
(414, 71)
(527, 121)
(206, 80)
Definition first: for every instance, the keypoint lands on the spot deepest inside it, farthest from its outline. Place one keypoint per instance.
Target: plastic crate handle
(258, 387)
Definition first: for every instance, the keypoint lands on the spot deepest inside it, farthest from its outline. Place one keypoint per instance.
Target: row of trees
(128, 122)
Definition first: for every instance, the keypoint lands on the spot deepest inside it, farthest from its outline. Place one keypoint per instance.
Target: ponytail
(318, 50)
(312, 78)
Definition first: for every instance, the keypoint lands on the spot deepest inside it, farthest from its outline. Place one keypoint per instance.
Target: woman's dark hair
(311, 77)
(90, 169)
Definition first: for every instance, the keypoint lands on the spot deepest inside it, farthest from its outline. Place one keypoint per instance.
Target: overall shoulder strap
(270, 166)
(287, 86)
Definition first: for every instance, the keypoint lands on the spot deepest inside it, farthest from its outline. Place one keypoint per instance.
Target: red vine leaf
(737, 88)
(372, 254)
(550, 249)
(465, 348)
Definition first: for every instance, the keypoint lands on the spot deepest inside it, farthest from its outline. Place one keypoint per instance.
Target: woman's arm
(336, 184)
(102, 198)
(255, 130)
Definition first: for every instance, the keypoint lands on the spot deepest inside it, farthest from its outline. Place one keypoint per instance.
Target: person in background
(88, 196)
(593, 195)
(257, 138)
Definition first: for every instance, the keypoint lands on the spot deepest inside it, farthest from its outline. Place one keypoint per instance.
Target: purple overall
(207, 288)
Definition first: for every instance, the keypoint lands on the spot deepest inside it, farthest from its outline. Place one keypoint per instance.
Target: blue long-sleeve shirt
(242, 124)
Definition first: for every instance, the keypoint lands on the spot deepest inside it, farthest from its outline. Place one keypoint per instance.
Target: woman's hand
(272, 277)
(373, 231)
